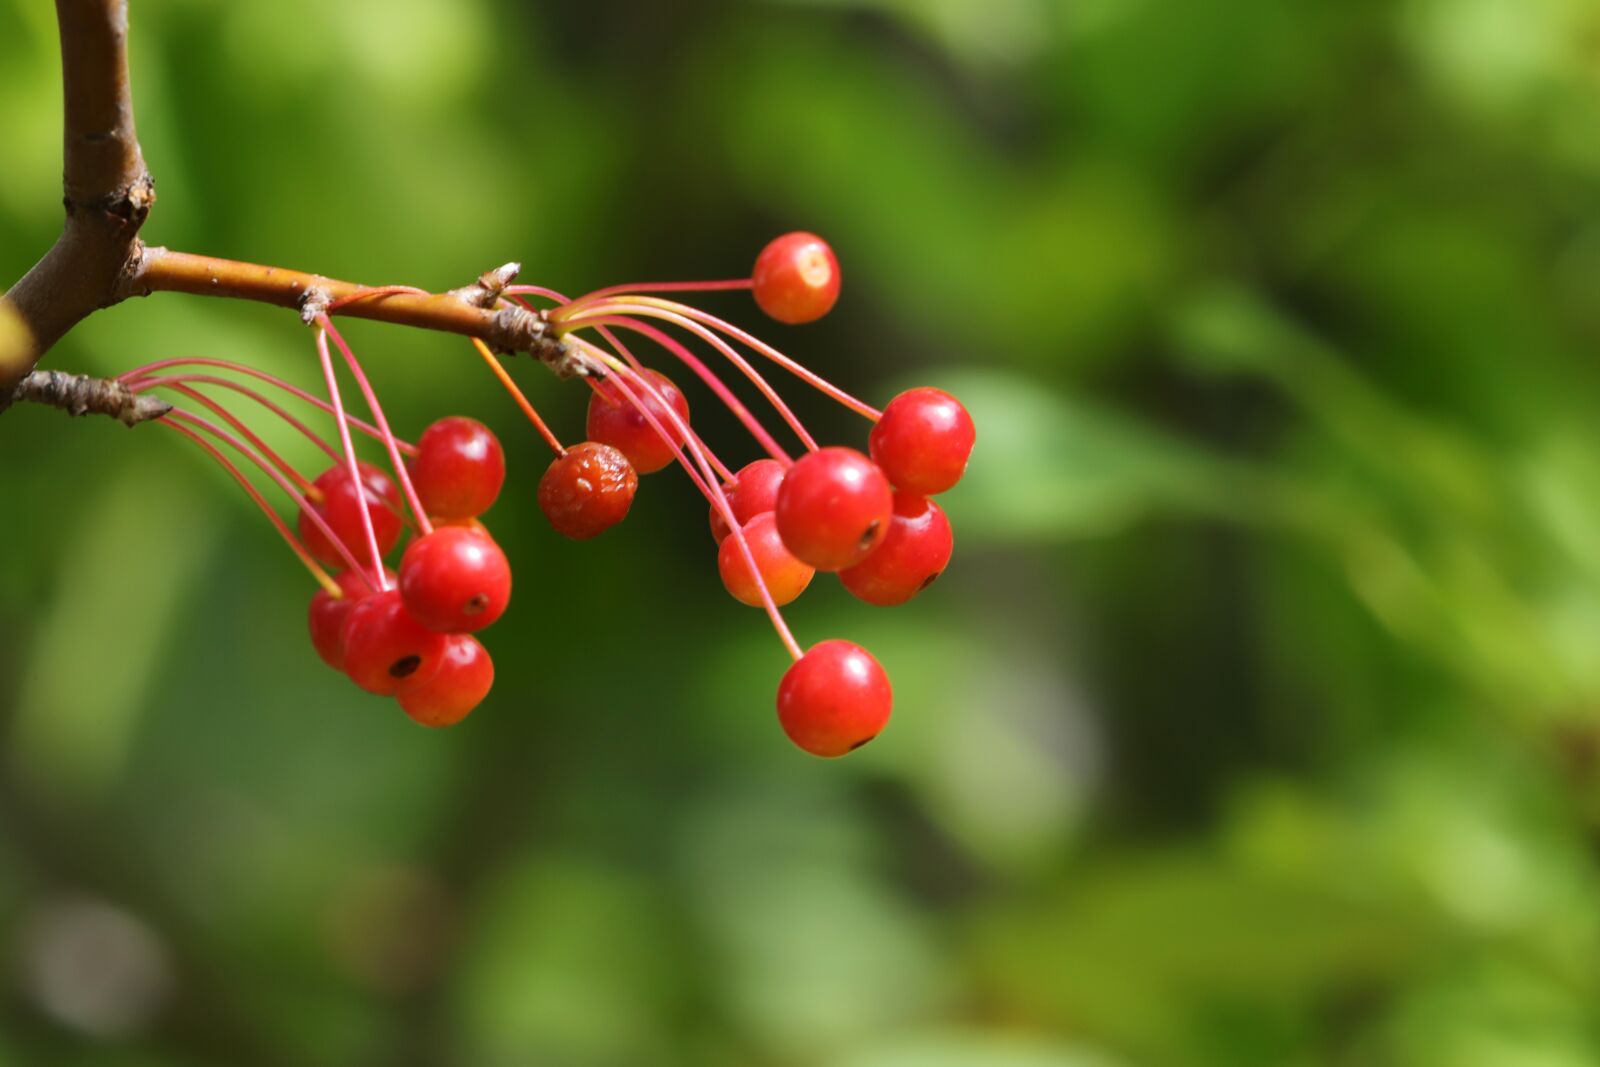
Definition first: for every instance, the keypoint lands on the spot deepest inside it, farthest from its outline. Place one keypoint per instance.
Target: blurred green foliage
(1255, 723)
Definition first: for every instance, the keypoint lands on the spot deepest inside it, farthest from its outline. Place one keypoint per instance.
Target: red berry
(753, 490)
(327, 614)
(455, 580)
(923, 440)
(385, 649)
(796, 278)
(910, 558)
(588, 490)
(614, 421)
(340, 508)
(464, 678)
(458, 469)
(834, 508)
(834, 699)
(785, 576)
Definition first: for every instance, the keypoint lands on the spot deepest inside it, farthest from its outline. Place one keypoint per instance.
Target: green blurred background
(1254, 723)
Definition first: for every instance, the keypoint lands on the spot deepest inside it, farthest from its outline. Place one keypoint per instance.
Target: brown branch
(108, 191)
(79, 394)
(99, 259)
(467, 311)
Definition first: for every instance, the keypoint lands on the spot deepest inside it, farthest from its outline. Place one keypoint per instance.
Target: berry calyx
(754, 489)
(385, 649)
(458, 469)
(614, 421)
(588, 490)
(923, 440)
(796, 278)
(834, 699)
(834, 508)
(327, 613)
(785, 577)
(455, 580)
(464, 678)
(340, 507)
(913, 554)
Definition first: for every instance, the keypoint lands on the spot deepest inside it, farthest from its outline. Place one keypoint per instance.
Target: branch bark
(99, 259)
(108, 190)
(79, 394)
(469, 312)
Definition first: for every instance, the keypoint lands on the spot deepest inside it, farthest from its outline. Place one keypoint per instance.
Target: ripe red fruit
(455, 580)
(464, 678)
(913, 554)
(923, 440)
(340, 507)
(588, 490)
(754, 489)
(458, 469)
(834, 699)
(785, 576)
(327, 614)
(834, 508)
(614, 421)
(385, 649)
(796, 278)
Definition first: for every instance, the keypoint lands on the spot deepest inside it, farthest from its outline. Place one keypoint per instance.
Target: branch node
(314, 304)
(490, 286)
(80, 394)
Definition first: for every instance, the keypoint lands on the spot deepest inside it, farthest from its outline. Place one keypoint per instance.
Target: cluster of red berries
(410, 635)
(870, 520)
(776, 521)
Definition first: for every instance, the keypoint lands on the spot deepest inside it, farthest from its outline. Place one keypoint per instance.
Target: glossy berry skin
(786, 577)
(340, 507)
(327, 614)
(614, 421)
(834, 508)
(923, 440)
(455, 580)
(754, 489)
(588, 490)
(911, 557)
(458, 469)
(385, 649)
(464, 678)
(796, 278)
(834, 699)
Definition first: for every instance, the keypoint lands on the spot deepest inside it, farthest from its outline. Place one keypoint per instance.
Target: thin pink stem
(283, 465)
(535, 290)
(649, 387)
(598, 317)
(383, 425)
(663, 287)
(351, 467)
(707, 483)
(244, 390)
(283, 483)
(376, 291)
(293, 390)
(811, 378)
(317, 572)
(613, 374)
(707, 375)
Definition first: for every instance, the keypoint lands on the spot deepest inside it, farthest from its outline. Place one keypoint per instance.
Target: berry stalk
(617, 315)
(516, 394)
(403, 476)
(322, 576)
(130, 377)
(295, 496)
(708, 485)
(351, 468)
